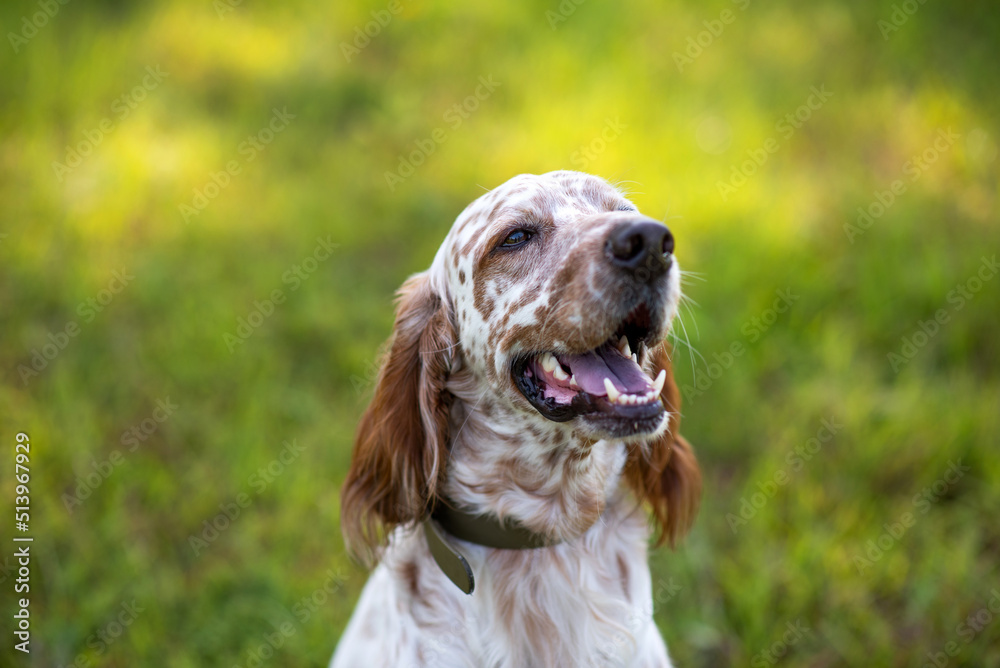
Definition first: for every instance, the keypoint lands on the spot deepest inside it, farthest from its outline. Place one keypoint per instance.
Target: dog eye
(516, 238)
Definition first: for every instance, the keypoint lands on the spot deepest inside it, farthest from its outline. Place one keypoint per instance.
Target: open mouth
(605, 384)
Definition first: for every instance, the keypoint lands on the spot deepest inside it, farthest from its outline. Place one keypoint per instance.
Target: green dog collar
(483, 530)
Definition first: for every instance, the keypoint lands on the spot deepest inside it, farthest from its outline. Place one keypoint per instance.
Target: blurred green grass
(303, 375)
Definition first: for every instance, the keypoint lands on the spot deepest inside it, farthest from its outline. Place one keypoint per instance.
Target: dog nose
(641, 244)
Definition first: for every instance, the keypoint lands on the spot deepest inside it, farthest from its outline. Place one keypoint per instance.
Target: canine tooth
(559, 373)
(549, 362)
(623, 346)
(613, 393)
(572, 381)
(660, 379)
(634, 358)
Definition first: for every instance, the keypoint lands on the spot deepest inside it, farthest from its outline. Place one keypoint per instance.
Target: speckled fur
(448, 422)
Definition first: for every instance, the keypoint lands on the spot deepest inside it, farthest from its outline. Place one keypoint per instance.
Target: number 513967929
(22, 451)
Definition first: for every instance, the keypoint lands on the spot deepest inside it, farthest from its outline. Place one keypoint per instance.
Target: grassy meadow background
(206, 207)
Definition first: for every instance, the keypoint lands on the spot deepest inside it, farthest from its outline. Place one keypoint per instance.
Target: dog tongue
(607, 361)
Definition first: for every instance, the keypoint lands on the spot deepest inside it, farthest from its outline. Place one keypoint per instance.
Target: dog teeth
(572, 381)
(625, 399)
(660, 380)
(623, 346)
(549, 362)
(552, 365)
(634, 358)
(613, 393)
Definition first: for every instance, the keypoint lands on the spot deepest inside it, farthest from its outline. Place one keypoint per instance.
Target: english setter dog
(524, 416)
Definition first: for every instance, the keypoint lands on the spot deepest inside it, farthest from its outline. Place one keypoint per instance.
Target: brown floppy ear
(665, 474)
(402, 440)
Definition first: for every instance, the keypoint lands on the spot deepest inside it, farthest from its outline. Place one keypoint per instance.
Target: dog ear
(665, 473)
(402, 441)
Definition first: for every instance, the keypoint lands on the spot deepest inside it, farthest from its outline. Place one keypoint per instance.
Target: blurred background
(207, 206)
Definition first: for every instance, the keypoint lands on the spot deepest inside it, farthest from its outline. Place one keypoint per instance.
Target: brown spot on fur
(483, 303)
(543, 204)
(595, 194)
(496, 210)
(624, 575)
(461, 277)
(470, 246)
(519, 611)
(410, 574)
